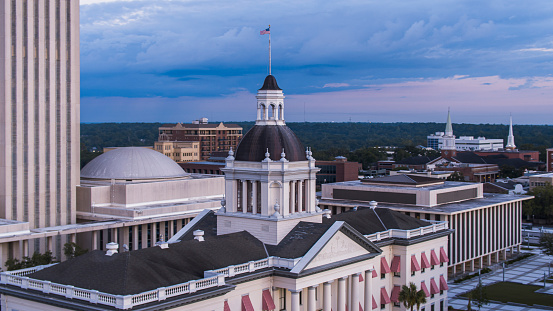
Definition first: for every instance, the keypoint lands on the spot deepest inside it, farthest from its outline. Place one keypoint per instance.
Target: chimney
(112, 248)
(199, 235)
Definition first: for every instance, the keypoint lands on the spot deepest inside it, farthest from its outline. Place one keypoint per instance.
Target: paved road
(528, 271)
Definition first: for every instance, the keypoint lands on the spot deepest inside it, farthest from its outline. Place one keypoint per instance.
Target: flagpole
(269, 49)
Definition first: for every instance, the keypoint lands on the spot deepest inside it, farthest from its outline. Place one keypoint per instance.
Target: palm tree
(411, 297)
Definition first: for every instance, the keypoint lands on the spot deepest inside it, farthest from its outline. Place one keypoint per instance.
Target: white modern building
(39, 127)
(268, 247)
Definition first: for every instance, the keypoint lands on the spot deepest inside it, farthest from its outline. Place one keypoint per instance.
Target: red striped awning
(424, 261)
(384, 267)
(443, 283)
(415, 264)
(434, 287)
(226, 306)
(268, 302)
(384, 298)
(360, 308)
(434, 258)
(425, 289)
(247, 303)
(395, 293)
(396, 264)
(443, 255)
(361, 278)
(374, 304)
(374, 273)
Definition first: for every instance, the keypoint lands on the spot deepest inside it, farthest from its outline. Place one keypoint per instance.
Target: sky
(341, 61)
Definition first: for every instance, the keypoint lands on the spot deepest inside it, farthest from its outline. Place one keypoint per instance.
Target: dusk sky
(368, 61)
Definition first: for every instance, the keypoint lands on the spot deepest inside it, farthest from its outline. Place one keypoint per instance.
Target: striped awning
(384, 298)
(226, 306)
(424, 261)
(443, 255)
(425, 289)
(415, 264)
(443, 283)
(395, 293)
(384, 267)
(434, 287)
(268, 303)
(247, 303)
(434, 258)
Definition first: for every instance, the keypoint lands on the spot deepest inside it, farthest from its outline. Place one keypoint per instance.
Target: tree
(456, 176)
(479, 295)
(542, 205)
(509, 171)
(37, 259)
(411, 297)
(72, 250)
(546, 243)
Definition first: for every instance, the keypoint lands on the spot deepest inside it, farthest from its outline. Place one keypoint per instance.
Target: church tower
(511, 138)
(270, 179)
(448, 148)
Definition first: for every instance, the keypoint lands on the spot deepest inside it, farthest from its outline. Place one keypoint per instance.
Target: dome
(132, 163)
(254, 144)
(270, 84)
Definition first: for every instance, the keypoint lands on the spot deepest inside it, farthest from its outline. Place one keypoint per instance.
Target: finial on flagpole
(269, 49)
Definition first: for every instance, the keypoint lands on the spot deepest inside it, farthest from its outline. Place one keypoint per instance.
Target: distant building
(211, 137)
(179, 151)
(337, 170)
(487, 226)
(465, 143)
(541, 180)
(549, 159)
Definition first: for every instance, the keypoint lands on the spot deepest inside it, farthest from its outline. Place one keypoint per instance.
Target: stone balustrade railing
(407, 234)
(213, 278)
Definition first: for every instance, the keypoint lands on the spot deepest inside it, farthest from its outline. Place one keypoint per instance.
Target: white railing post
(231, 271)
(161, 294)
(220, 280)
(192, 287)
(123, 302)
(24, 282)
(94, 296)
(251, 266)
(70, 291)
(47, 287)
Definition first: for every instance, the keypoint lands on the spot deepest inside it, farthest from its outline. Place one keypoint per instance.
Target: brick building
(212, 137)
(337, 170)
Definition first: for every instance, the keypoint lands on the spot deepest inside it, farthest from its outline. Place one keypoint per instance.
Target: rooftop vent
(373, 204)
(112, 248)
(199, 235)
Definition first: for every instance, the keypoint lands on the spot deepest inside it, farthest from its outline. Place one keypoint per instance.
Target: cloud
(212, 49)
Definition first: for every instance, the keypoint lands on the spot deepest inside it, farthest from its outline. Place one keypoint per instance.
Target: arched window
(272, 111)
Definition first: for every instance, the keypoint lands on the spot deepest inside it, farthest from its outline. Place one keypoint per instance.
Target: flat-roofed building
(179, 151)
(487, 226)
(211, 137)
(540, 180)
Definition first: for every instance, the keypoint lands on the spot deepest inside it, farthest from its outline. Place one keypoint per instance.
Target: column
(300, 195)
(135, 237)
(341, 294)
(295, 301)
(50, 244)
(162, 231)
(154, 233)
(293, 197)
(171, 225)
(94, 241)
(355, 291)
(73, 237)
(327, 295)
(244, 196)
(311, 302)
(368, 290)
(144, 236)
(254, 197)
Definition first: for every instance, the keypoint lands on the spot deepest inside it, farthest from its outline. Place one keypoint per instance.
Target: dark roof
(150, 268)
(369, 221)
(274, 137)
(403, 179)
(416, 160)
(270, 83)
(507, 185)
(469, 157)
(299, 241)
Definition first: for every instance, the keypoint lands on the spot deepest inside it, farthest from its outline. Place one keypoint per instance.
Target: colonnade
(249, 197)
(357, 296)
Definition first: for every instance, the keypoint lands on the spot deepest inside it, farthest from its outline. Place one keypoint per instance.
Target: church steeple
(448, 148)
(511, 139)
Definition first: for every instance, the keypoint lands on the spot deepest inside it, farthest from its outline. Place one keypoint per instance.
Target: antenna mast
(269, 49)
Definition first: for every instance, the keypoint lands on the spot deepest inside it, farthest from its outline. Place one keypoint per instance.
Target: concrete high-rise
(39, 112)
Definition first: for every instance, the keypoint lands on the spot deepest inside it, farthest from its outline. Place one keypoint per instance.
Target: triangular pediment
(339, 244)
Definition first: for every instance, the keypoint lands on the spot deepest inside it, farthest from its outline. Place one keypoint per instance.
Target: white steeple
(448, 148)
(511, 139)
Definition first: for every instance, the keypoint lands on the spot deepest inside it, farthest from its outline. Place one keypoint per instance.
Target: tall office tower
(39, 112)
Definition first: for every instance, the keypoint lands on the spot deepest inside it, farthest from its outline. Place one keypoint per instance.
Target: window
(382, 276)
(412, 272)
(301, 297)
(282, 299)
(382, 306)
(432, 307)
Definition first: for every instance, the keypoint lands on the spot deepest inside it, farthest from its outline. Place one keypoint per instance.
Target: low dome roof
(254, 144)
(132, 163)
(270, 83)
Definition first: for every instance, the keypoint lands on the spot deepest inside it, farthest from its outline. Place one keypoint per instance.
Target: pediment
(339, 244)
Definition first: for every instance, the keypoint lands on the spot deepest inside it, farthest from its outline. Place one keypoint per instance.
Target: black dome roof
(275, 137)
(270, 84)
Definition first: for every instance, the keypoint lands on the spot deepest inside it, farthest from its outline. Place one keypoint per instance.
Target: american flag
(266, 31)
